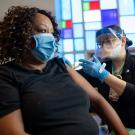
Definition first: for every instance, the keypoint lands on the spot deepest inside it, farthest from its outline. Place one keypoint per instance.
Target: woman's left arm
(126, 90)
(116, 84)
(102, 106)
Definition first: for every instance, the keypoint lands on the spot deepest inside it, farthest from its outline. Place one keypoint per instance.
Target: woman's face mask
(45, 47)
(116, 50)
(110, 50)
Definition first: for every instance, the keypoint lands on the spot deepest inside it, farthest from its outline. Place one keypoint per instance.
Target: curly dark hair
(16, 32)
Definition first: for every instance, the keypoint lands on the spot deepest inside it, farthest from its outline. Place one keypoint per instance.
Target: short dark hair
(16, 31)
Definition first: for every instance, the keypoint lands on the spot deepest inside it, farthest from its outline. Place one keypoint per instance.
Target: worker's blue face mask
(45, 47)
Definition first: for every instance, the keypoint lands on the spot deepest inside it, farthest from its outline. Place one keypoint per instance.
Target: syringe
(79, 66)
(102, 67)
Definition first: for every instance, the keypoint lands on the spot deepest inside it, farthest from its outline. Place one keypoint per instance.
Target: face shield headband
(107, 33)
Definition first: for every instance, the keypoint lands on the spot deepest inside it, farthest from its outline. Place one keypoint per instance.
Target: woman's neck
(117, 63)
(32, 64)
(35, 67)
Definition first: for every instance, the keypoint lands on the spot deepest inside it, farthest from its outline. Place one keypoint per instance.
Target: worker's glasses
(106, 43)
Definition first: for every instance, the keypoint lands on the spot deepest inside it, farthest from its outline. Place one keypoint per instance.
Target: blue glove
(66, 61)
(94, 68)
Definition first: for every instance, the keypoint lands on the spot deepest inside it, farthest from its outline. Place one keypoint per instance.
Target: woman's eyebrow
(47, 27)
(42, 25)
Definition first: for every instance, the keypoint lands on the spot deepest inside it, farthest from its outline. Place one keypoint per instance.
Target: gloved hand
(61, 55)
(66, 61)
(94, 68)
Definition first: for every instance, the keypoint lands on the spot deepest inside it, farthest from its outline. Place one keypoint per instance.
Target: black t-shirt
(50, 101)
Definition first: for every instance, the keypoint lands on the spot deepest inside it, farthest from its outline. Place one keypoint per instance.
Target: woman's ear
(124, 40)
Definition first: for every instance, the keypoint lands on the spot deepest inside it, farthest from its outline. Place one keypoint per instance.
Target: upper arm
(10, 114)
(84, 84)
(11, 124)
(9, 95)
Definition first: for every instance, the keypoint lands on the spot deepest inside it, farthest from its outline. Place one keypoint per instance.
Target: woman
(117, 82)
(39, 93)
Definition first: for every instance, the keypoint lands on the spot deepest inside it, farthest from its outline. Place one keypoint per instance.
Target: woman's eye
(44, 31)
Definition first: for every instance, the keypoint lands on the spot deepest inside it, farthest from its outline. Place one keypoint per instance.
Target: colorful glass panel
(86, 6)
(78, 30)
(90, 40)
(127, 23)
(68, 24)
(92, 26)
(94, 5)
(66, 9)
(92, 16)
(108, 4)
(76, 11)
(127, 7)
(109, 17)
(66, 33)
(68, 45)
(79, 44)
(63, 24)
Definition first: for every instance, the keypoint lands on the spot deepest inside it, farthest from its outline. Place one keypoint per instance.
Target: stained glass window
(80, 19)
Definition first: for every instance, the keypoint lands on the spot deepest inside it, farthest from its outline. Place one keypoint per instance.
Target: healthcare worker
(115, 79)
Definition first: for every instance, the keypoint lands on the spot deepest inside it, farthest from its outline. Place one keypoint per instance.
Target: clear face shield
(108, 44)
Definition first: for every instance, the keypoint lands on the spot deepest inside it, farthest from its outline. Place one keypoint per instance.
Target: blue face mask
(45, 47)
